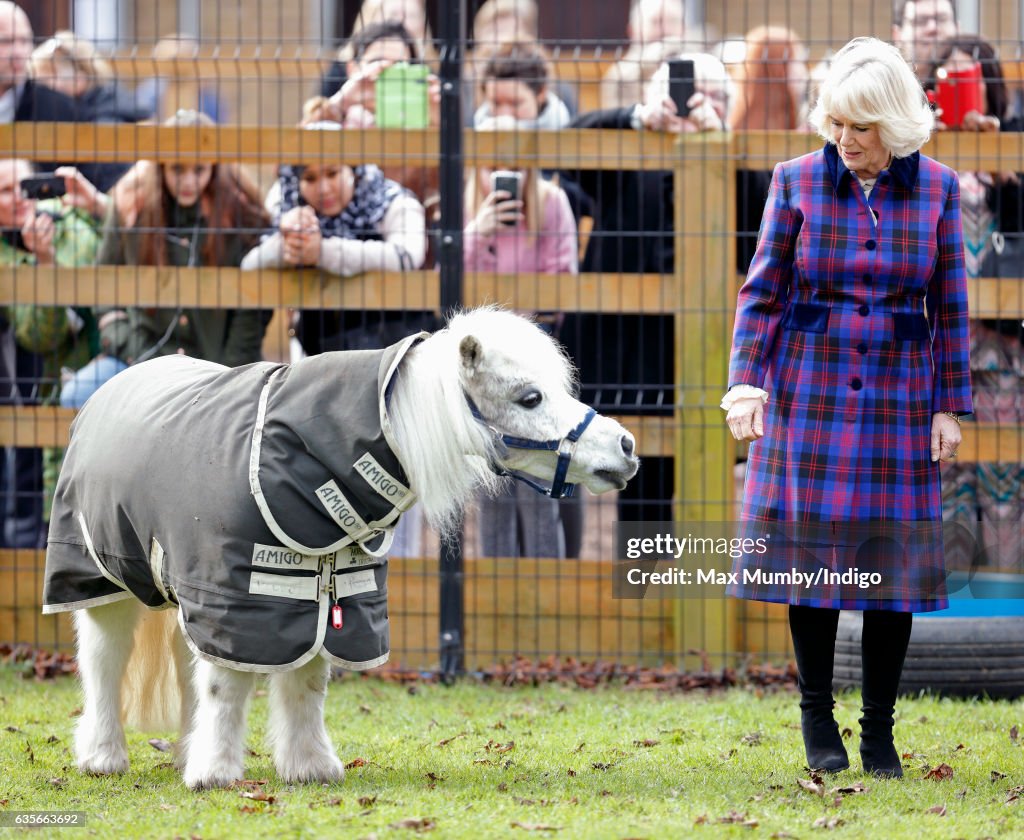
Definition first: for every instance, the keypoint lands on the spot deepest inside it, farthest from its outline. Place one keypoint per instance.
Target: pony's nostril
(626, 441)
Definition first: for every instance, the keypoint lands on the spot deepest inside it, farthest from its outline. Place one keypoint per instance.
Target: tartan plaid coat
(858, 331)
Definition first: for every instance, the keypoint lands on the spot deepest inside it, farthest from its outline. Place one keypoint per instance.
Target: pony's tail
(151, 693)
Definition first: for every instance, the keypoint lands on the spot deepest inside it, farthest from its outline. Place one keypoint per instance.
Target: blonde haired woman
(848, 391)
(74, 66)
(532, 232)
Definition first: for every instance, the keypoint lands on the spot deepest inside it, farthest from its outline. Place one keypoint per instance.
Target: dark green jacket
(229, 337)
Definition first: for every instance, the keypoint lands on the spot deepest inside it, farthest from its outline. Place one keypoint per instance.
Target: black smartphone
(43, 186)
(681, 84)
(510, 182)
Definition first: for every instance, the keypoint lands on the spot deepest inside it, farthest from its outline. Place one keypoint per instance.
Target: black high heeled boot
(883, 649)
(814, 645)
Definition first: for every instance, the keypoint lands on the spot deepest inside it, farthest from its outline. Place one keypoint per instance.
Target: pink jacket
(552, 250)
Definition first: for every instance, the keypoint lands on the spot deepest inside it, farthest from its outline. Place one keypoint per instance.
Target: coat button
(870, 244)
(862, 348)
(856, 384)
(864, 309)
(867, 279)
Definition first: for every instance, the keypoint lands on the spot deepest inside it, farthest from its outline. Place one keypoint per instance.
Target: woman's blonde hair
(536, 190)
(869, 82)
(76, 54)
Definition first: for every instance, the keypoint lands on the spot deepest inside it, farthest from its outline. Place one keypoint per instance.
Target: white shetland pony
(489, 394)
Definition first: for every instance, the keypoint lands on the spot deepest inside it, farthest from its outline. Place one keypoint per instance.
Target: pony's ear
(471, 352)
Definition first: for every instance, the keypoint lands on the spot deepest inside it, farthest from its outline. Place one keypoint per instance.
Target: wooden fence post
(704, 180)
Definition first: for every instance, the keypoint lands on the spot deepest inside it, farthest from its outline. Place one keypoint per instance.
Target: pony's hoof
(210, 780)
(106, 760)
(206, 776)
(323, 768)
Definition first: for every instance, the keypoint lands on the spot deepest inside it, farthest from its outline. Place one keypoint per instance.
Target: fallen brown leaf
(736, 818)
(356, 762)
(161, 744)
(996, 775)
(447, 741)
(535, 826)
(367, 801)
(1014, 732)
(752, 739)
(940, 773)
(937, 809)
(815, 787)
(257, 796)
(414, 824)
(601, 765)
(856, 787)
(646, 742)
(827, 823)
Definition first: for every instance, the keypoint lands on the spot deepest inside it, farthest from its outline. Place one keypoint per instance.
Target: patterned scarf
(361, 217)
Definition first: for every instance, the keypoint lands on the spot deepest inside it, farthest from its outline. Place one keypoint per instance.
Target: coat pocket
(910, 326)
(807, 317)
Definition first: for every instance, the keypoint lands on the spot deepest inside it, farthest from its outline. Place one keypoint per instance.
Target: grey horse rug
(260, 500)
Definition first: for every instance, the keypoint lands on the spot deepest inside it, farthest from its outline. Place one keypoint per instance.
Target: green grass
(606, 763)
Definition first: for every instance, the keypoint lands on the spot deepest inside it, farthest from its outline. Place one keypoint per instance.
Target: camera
(43, 186)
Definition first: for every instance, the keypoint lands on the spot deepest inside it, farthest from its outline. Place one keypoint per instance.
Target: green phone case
(402, 96)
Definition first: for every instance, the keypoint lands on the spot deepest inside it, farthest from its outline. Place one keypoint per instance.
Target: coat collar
(903, 170)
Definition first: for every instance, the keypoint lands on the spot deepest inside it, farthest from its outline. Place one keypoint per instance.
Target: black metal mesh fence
(306, 213)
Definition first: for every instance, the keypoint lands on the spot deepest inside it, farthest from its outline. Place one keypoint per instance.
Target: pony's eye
(531, 399)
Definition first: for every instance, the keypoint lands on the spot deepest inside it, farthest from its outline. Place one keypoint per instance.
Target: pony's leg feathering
(302, 747)
(104, 642)
(215, 746)
(184, 662)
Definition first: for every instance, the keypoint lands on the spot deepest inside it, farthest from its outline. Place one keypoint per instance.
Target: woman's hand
(498, 210)
(434, 100)
(300, 237)
(360, 90)
(946, 437)
(81, 193)
(976, 121)
(38, 234)
(661, 115)
(664, 116)
(746, 418)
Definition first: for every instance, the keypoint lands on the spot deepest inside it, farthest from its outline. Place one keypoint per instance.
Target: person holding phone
(626, 360)
(377, 49)
(518, 222)
(39, 342)
(849, 373)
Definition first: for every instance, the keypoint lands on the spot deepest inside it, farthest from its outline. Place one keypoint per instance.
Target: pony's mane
(446, 453)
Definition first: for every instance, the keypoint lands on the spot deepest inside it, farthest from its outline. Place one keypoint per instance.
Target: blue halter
(566, 448)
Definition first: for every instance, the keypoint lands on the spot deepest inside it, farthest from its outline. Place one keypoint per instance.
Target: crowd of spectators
(349, 220)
